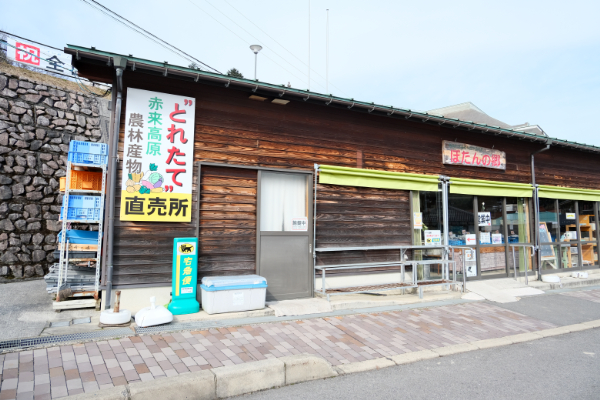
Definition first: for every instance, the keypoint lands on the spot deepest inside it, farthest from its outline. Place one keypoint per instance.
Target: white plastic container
(222, 294)
(151, 316)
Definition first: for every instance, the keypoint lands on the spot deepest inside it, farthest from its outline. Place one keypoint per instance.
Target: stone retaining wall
(37, 122)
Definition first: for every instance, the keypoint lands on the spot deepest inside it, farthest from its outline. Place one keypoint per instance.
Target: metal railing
(524, 245)
(402, 263)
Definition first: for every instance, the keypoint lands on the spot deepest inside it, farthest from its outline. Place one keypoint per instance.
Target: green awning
(565, 193)
(490, 188)
(332, 175)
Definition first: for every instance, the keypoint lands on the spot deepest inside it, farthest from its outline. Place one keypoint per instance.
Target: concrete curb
(267, 374)
(249, 377)
(455, 349)
(305, 367)
(415, 356)
(376, 363)
(196, 385)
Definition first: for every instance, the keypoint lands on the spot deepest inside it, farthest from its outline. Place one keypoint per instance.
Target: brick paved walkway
(66, 370)
(591, 295)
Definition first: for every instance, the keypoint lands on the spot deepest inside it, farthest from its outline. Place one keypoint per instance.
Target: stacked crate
(83, 202)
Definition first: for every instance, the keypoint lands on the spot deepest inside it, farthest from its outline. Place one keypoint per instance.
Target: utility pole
(308, 44)
(327, 56)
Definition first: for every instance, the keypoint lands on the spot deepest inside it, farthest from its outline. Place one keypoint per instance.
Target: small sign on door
(485, 219)
(471, 240)
(300, 224)
(433, 238)
(471, 263)
(418, 220)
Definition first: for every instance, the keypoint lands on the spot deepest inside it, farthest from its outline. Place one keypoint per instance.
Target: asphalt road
(559, 367)
(556, 308)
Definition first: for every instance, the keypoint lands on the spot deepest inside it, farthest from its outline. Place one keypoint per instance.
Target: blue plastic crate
(89, 214)
(77, 146)
(80, 237)
(86, 158)
(78, 201)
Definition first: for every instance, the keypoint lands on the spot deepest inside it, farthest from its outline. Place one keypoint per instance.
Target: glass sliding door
(569, 235)
(586, 218)
(549, 233)
(429, 205)
(462, 232)
(492, 246)
(519, 232)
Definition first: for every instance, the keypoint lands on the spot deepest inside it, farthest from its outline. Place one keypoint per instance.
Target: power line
(148, 33)
(32, 41)
(244, 40)
(130, 27)
(242, 28)
(273, 39)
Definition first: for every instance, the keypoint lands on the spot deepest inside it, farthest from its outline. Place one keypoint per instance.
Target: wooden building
(247, 132)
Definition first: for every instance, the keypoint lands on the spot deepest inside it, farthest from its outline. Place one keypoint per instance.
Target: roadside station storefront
(245, 153)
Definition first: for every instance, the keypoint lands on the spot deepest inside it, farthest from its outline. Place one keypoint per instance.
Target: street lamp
(255, 48)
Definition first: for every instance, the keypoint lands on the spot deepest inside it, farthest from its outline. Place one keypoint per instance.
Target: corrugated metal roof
(280, 90)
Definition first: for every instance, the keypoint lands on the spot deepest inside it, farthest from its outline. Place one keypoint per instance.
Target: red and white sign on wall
(454, 153)
(38, 56)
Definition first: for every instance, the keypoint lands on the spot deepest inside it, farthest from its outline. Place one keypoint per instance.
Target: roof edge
(281, 90)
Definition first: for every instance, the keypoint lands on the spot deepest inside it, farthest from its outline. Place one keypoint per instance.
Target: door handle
(309, 248)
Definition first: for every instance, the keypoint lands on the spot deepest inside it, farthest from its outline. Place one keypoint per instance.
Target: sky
(518, 61)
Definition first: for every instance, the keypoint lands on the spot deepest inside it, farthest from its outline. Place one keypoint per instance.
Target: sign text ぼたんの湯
(454, 153)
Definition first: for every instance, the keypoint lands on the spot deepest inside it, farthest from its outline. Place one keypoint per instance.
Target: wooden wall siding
(232, 129)
(143, 251)
(355, 216)
(301, 133)
(227, 221)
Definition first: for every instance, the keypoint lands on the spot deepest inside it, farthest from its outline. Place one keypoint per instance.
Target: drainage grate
(58, 324)
(182, 326)
(20, 344)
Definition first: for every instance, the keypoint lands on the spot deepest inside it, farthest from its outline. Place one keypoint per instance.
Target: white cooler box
(221, 294)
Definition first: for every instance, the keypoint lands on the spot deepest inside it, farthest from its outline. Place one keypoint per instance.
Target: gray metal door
(284, 234)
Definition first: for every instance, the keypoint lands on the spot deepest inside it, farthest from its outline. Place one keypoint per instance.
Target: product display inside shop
(568, 233)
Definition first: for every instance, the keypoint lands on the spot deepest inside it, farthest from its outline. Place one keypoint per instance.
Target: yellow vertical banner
(158, 156)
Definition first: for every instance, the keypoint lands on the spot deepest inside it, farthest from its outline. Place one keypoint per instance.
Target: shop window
(461, 220)
(428, 230)
(517, 219)
(550, 257)
(522, 257)
(490, 220)
(587, 230)
(568, 221)
(492, 252)
(283, 204)
(462, 231)
(548, 220)
(569, 237)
